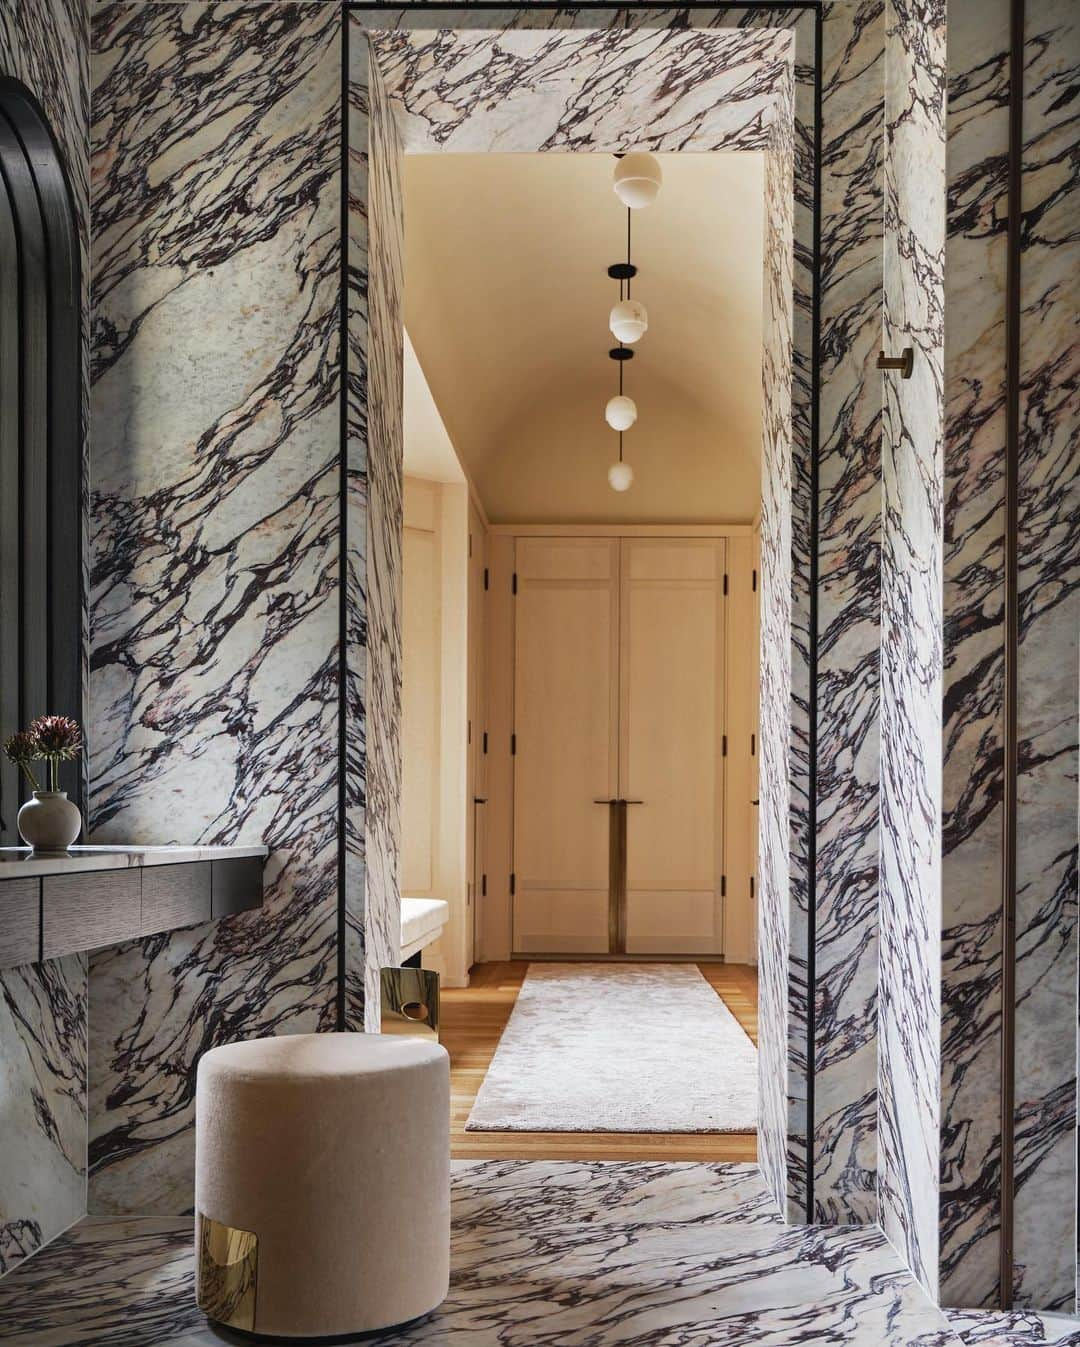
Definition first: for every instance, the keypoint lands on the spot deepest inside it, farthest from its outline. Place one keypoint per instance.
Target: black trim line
(812, 644)
(343, 506)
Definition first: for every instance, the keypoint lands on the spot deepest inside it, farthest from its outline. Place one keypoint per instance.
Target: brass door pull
(605, 801)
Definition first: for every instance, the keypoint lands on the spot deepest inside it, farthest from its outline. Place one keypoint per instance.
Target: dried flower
(22, 749)
(57, 737)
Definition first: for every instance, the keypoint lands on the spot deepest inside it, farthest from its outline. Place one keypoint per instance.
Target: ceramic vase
(49, 822)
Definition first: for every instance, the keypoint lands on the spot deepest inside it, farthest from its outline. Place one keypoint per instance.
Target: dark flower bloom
(57, 737)
(22, 748)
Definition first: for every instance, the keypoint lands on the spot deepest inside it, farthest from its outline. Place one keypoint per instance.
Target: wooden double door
(619, 738)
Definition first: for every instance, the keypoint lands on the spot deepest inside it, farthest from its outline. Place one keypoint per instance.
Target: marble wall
(844, 1134)
(968, 1196)
(373, 533)
(973, 561)
(216, 476)
(1048, 714)
(44, 44)
(911, 639)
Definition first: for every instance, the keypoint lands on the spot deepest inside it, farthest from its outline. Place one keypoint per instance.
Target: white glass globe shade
(637, 180)
(628, 321)
(620, 476)
(620, 413)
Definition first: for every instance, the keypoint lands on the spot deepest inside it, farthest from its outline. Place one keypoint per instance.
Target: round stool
(322, 1183)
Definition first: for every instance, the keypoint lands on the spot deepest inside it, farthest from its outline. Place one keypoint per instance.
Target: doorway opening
(417, 91)
(580, 659)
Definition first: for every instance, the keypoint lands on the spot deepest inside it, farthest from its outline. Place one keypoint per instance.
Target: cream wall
(435, 802)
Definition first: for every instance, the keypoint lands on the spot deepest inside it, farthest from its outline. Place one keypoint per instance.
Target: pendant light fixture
(638, 180)
(620, 475)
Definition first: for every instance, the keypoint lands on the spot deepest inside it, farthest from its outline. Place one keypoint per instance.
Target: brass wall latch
(904, 362)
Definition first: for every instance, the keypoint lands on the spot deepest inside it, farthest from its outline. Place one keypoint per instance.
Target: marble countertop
(21, 863)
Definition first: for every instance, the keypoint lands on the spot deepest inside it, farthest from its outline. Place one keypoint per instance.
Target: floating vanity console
(97, 896)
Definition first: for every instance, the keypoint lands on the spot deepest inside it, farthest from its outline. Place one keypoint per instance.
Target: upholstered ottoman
(322, 1183)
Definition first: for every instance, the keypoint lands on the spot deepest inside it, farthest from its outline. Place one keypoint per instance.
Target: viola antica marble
(44, 44)
(579, 1255)
(213, 682)
(911, 637)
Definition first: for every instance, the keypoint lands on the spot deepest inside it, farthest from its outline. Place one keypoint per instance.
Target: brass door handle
(631, 801)
(605, 801)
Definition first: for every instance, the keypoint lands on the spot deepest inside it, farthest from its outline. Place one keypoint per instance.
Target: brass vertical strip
(613, 876)
(620, 930)
(1011, 648)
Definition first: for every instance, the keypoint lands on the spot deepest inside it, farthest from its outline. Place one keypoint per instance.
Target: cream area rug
(596, 1047)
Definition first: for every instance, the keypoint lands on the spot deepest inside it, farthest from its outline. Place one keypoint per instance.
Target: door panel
(565, 714)
(671, 722)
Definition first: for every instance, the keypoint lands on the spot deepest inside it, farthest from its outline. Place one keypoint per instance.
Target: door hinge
(751, 886)
(513, 745)
(725, 583)
(513, 883)
(753, 579)
(468, 732)
(485, 577)
(513, 583)
(485, 741)
(723, 886)
(483, 886)
(723, 746)
(753, 745)
(470, 544)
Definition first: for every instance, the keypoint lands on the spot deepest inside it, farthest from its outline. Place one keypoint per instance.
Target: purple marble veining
(973, 563)
(911, 639)
(44, 44)
(215, 590)
(848, 679)
(1048, 548)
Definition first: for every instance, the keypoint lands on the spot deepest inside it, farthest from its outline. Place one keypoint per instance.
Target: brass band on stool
(226, 1277)
(410, 1002)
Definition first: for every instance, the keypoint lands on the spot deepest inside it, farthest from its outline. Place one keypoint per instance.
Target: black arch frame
(41, 437)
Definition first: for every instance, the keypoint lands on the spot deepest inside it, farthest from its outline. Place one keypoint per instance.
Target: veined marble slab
(590, 1254)
(21, 863)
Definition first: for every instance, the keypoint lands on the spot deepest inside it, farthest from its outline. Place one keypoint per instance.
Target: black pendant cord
(629, 264)
(620, 446)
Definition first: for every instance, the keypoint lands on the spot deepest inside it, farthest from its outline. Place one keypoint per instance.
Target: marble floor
(548, 1254)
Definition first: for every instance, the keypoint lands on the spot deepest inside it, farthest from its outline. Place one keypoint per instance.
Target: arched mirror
(41, 461)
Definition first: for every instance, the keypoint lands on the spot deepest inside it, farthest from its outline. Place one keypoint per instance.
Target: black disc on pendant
(621, 353)
(622, 271)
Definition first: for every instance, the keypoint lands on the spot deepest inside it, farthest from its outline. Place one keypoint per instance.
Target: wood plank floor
(474, 1017)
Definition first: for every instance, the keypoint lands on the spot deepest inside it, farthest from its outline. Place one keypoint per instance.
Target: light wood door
(565, 720)
(671, 728)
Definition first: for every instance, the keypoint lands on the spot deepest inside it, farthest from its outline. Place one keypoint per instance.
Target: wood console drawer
(86, 911)
(236, 886)
(175, 896)
(20, 922)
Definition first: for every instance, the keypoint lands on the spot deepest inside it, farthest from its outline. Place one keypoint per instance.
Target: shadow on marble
(545, 1254)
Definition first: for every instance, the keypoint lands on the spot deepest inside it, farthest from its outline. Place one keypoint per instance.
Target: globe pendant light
(637, 180)
(620, 476)
(628, 321)
(620, 412)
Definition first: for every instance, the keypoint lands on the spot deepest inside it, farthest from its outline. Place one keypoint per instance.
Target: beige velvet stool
(322, 1183)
